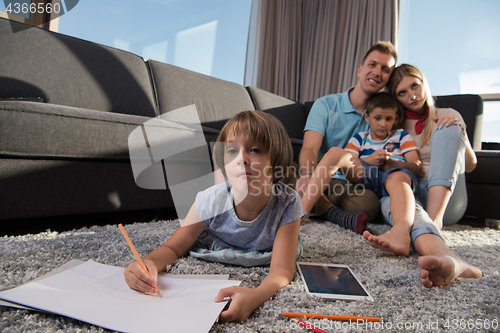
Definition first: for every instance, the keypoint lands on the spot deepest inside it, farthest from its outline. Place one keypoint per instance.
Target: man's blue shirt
(334, 117)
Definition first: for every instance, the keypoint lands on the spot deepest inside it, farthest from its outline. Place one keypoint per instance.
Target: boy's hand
(378, 157)
(139, 280)
(389, 164)
(242, 304)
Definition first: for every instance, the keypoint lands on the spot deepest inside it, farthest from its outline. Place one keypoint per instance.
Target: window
(491, 121)
(209, 37)
(19, 11)
(38, 13)
(455, 43)
(206, 36)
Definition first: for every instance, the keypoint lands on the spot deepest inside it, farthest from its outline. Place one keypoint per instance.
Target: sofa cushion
(216, 100)
(291, 114)
(68, 71)
(39, 130)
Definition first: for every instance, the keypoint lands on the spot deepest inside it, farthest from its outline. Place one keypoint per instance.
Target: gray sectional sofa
(67, 107)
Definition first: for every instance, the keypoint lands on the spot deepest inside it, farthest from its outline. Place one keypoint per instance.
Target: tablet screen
(331, 281)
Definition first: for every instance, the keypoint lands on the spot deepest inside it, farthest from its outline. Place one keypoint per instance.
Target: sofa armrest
(291, 113)
(483, 186)
(486, 171)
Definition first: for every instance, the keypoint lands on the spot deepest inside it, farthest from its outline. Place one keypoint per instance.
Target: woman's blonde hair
(397, 76)
(265, 129)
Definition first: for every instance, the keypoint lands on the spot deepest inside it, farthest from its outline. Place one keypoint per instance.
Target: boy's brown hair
(385, 100)
(263, 128)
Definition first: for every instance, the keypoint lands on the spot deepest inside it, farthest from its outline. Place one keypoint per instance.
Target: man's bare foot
(393, 241)
(441, 270)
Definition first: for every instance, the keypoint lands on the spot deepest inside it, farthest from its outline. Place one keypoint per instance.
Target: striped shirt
(398, 143)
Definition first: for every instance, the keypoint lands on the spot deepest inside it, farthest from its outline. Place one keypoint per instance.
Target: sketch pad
(97, 294)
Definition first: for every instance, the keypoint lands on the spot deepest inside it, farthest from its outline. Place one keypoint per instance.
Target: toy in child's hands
(389, 147)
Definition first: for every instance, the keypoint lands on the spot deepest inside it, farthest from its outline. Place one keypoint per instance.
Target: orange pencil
(136, 254)
(331, 317)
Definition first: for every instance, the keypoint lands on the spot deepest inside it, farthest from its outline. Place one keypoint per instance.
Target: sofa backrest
(69, 71)
(216, 100)
(471, 109)
(292, 114)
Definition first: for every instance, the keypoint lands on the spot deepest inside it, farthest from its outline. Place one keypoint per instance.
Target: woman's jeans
(447, 168)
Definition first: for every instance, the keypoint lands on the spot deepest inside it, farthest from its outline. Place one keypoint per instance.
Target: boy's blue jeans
(447, 168)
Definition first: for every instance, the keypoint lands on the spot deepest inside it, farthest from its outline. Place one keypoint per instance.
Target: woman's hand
(139, 280)
(448, 119)
(243, 303)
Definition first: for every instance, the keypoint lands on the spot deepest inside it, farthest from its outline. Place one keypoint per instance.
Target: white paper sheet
(97, 294)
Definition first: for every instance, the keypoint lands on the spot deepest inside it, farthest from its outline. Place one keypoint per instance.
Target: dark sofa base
(13, 227)
(82, 187)
(483, 200)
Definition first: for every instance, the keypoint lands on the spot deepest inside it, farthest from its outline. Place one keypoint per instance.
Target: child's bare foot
(439, 223)
(393, 241)
(441, 270)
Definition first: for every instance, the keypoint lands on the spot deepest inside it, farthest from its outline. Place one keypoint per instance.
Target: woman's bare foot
(393, 241)
(441, 270)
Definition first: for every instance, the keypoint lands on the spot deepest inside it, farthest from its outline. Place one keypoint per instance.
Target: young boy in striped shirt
(384, 160)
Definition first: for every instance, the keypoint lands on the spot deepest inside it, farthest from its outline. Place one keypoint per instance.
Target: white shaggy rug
(401, 301)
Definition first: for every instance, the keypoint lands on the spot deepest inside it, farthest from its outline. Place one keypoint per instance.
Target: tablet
(332, 281)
